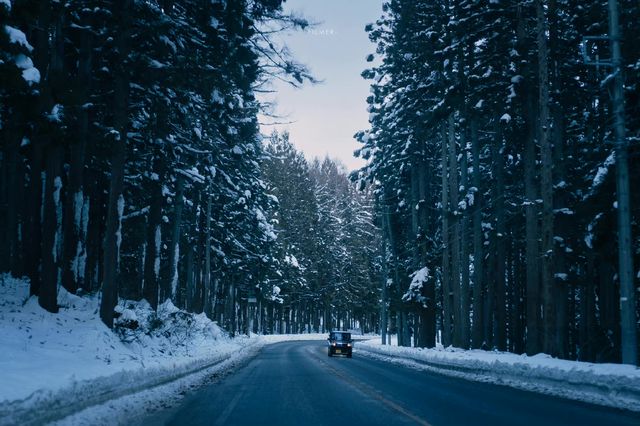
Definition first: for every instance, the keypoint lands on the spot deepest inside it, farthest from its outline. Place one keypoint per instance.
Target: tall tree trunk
(190, 282)
(464, 309)
(455, 232)
(533, 340)
(446, 256)
(516, 283)
(198, 294)
(422, 332)
(561, 283)
(51, 229)
(33, 228)
(95, 230)
(151, 288)
(11, 173)
(122, 9)
(171, 280)
(74, 244)
(428, 315)
(383, 283)
(500, 340)
(549, 316)
(478, 254)
(209, 308)
(608, 346)
(49, 134)
(12, 186)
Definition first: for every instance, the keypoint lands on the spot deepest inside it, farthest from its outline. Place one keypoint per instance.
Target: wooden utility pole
(625, 259)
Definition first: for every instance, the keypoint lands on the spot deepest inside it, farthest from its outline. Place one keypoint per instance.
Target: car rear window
(341, 336)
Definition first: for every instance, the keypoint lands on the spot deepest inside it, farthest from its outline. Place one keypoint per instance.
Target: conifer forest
(498, 209)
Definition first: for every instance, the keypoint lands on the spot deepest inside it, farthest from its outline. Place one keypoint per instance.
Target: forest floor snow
(611, 385)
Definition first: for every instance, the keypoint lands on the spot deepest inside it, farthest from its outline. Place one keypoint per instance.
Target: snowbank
(70, 368)
(612, 385)
(56, 364)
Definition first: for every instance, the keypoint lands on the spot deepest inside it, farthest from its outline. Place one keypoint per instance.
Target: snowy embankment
(55, 365)
(612, 385)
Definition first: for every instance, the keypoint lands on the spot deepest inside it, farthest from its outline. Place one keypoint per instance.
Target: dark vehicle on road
(340, 343)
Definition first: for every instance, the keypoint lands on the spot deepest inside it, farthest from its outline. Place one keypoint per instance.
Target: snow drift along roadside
(612, 385)
(56, 364)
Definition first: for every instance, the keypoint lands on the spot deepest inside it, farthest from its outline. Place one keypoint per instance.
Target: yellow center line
(368, 390)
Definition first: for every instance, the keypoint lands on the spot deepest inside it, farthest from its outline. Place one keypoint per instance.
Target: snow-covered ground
(612, 385)
(45, 352)
(54, 365)
(71, 369)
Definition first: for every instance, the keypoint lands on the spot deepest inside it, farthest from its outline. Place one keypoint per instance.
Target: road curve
(295, 383)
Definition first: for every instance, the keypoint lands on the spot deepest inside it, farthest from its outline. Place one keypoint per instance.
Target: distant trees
(327, 246)
(490, 164)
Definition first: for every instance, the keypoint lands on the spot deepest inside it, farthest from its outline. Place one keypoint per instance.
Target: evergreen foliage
(490, 159)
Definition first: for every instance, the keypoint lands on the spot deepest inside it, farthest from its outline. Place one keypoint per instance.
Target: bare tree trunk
(533, 345)
(95, 230)
(383, 279)
(74, 244)
(189, 281)
(455, 233)
(608, 350)
(151, 286)
(464, 311)
(33, 228)
(561, 284)
(122, 9)
(515, 283)
(549, 317)
(446, 256)
(52, 207)
(11, 176)
(428, 315)
(478, 255)
(199, 292)
(209, 304)
(171, 280)
(51, 229)
(500, 326)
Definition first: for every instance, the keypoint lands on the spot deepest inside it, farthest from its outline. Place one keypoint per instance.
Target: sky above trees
(323, 118)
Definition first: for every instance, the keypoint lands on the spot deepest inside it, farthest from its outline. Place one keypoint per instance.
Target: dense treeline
(131, 158)
(491, 160)
(327, 242)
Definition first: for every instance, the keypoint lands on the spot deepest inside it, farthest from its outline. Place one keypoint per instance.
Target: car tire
(329, 353)
(349, 355)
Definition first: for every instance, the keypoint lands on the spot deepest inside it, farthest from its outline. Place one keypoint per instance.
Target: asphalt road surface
(295, 383)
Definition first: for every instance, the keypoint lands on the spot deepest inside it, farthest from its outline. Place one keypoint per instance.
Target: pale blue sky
(326, 116)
